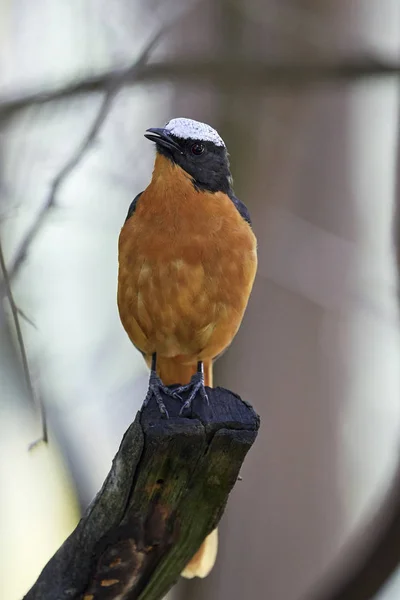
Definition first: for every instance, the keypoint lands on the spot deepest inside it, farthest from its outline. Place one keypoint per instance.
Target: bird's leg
(155, 386)
(196, 385)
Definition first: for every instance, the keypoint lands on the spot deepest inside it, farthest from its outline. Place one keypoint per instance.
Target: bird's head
(198, 149)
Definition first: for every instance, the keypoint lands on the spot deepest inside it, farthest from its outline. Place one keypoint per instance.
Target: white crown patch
(189, 129)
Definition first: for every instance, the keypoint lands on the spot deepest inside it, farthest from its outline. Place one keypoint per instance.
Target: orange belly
(187, 262)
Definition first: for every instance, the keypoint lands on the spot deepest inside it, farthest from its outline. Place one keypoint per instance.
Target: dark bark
(166, 491)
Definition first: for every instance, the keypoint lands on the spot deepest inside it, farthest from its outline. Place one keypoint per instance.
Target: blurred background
(306, 96)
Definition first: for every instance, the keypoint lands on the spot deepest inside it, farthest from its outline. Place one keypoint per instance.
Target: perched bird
(187, 262)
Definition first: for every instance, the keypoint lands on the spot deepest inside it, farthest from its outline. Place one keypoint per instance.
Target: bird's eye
(197, 149)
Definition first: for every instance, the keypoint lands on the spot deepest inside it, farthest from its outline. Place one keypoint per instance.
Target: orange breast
(187, 262)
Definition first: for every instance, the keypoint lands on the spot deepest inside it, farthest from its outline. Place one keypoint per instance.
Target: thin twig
(256, 74)
(25, 317)
(24, 357)
(58, 181)
(76, 158)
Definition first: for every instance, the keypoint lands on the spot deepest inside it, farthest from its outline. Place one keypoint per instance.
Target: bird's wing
(241, 207)
(132, 207)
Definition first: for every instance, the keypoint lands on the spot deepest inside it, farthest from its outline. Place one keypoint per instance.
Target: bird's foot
(156, 386)
(196, 385)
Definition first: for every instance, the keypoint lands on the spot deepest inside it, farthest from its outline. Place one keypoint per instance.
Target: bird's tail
(204, 559)
(171, 371)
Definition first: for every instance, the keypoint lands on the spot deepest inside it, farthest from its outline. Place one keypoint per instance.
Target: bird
(187, 260)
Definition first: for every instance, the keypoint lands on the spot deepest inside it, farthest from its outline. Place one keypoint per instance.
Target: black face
(207, 163)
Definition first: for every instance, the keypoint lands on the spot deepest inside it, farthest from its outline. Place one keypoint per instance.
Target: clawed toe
(157, 389)
(156, 386)
(196, 386)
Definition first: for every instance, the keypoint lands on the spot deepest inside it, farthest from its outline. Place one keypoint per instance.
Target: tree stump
(166, 491)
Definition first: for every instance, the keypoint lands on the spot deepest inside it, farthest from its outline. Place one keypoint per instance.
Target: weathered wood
(166, 491)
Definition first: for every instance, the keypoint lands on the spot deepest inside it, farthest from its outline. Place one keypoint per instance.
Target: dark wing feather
(241, 207)
(132, 207)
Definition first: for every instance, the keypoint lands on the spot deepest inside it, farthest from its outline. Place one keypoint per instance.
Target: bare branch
(59, 180)
(111, 89)
(14, 312)
(252, 73)
(25, 317)
(21, 344)
(241, 72)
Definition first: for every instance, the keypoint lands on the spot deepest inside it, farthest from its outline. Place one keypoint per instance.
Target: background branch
(24, 357)
(240, 71)
(110, 91)
(377, 554)
(59, 180)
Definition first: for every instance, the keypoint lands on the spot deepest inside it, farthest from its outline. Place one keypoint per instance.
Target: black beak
(162, 138)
